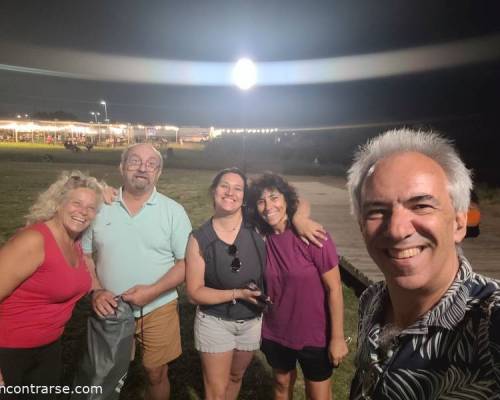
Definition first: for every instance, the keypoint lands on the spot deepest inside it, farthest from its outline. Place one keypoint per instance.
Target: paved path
(330, 206)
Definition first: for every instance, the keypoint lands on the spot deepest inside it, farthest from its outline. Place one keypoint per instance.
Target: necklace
(220, 228)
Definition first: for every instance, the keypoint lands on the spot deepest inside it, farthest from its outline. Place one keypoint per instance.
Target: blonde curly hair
(49, 201)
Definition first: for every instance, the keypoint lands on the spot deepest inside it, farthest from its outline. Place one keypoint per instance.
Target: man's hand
(337, 351)
(103, 302)
(2, 382)
(309, 230)
(140, 295)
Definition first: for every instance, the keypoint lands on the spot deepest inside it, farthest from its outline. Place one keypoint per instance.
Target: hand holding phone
(262, 298)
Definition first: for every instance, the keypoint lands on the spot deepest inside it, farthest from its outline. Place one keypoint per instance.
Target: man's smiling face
(141, 169)
(409, 224)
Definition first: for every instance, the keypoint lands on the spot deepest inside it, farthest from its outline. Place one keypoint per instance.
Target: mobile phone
(262, 298)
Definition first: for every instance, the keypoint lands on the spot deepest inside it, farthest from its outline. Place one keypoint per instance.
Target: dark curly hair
(270, 181)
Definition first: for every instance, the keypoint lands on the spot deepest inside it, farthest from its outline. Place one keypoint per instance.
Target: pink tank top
(36, 312)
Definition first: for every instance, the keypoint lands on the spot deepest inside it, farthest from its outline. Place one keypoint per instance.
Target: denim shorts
(216, 335)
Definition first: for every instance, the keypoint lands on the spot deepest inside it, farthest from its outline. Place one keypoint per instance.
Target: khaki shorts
(162, 336)
(215, 335)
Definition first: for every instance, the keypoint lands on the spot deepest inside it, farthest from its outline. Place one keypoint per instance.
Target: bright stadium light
(245, 74)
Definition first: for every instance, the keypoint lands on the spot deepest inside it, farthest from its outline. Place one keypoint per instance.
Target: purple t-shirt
(299, 315)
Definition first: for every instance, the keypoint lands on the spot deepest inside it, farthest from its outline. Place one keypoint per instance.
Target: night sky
(31, 32)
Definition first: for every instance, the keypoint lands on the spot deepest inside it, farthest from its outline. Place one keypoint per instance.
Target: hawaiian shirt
(452, 352)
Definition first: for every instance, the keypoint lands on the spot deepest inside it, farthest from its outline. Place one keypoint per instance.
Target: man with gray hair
(432, 329)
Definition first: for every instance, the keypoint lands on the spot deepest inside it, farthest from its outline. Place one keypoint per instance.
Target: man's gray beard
(139, 184)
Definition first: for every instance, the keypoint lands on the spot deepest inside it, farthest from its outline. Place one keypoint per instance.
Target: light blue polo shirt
(139, 249)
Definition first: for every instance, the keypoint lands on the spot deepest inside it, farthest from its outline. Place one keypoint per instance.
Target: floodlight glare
(244, 74)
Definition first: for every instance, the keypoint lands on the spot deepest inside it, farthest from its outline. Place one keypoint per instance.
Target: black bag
(107, 358)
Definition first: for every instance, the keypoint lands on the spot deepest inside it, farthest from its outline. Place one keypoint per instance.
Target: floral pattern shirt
(452, 352)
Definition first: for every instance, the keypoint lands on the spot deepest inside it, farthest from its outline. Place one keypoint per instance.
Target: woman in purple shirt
(305, 322)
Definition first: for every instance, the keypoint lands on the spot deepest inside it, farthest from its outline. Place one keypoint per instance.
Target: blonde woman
(43, 276)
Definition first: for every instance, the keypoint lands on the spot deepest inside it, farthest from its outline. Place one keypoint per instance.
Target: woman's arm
(19, 259)
(197, 292)
(337, 346)
(109, 193)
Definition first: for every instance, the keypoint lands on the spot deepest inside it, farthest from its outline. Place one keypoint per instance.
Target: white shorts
(216, 335)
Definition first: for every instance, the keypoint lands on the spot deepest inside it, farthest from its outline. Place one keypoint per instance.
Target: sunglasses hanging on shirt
(236, 263)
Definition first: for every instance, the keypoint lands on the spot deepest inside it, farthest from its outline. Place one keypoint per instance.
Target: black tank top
(251, 251)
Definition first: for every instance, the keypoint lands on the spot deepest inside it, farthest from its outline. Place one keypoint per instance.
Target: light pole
(96, 114)
(245, 77)
(105, 111)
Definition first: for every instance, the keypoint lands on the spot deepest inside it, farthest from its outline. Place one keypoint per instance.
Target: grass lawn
(186, 156)
(20, 182)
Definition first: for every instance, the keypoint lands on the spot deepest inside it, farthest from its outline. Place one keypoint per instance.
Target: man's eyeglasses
(134, 163)
(236, 263)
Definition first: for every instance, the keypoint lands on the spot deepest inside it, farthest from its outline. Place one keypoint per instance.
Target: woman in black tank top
(222, 257)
